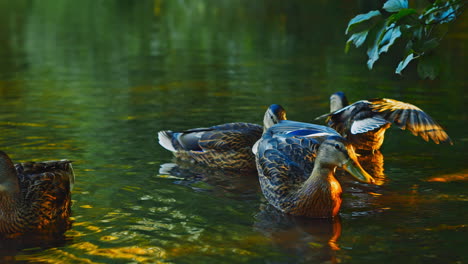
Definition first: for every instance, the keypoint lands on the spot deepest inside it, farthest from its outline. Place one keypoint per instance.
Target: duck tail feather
(165, 140)
(322, 116)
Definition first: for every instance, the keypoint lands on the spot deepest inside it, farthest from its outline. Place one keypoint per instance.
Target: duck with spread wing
(364, 122)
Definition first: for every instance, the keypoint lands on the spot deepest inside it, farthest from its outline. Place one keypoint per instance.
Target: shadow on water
(311, 239)
(242, 185)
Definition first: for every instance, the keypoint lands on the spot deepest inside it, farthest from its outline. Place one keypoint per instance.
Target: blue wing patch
(309, 133)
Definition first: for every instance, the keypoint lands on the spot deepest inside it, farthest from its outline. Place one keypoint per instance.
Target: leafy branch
(380, 29)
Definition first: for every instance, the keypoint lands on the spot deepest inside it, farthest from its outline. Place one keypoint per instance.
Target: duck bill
(352, 166)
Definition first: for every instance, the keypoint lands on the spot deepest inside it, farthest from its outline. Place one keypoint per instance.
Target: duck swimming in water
(364, 122)
(226, 146)
(296, 164)
(34, 196)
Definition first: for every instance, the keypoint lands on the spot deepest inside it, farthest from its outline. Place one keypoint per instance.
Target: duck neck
(320, 177)
(320, 195)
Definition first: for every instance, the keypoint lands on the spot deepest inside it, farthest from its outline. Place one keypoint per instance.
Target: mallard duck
(34, 196)
(226, 146)
(296, 163)
(364, 122)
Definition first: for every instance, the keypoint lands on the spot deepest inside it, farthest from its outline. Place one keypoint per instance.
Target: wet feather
(35, 196)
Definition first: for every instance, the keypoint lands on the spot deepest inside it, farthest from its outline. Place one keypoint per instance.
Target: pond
(94, 81)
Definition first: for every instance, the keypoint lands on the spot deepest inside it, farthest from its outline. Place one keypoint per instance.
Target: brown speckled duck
(34, 196)
(227, 146)
(296, 163)
(364, 122)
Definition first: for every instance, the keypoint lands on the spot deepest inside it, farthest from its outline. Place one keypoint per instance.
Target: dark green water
(93, 81)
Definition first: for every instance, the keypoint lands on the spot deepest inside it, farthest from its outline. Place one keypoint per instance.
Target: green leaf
(361, 18)
(389, 38)
(373, 54)
(428, 67)
(395, 5)
(402, 65)
(357, 39)
(373, 49)
(401, 14)
(440, 14)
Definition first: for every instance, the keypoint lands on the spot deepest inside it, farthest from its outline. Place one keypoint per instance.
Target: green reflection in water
(94, 81)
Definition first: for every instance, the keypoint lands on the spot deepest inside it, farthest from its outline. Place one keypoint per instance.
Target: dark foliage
(419, 31)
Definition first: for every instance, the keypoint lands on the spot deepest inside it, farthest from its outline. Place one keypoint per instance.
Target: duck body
(225, 146)
(364, 122)
(35, 196)
(296, 164)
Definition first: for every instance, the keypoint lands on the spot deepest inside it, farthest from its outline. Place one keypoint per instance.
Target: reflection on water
(374, 165)
(233, 184)
(458, 176)
(312, 239)
(87, 251)
(93, 83)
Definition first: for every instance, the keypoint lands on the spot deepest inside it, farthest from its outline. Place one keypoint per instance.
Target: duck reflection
(13, 246)
(241, 184)
(313, 240)
(374, 165)
(358, 198)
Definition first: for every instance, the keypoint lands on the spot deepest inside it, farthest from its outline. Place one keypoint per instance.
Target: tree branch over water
(420, 32)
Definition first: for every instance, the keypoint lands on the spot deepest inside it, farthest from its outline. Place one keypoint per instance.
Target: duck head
(338, 100)
(335, 151)
(273, 115)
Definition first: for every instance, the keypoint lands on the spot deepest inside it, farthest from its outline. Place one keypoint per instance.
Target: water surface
(93, 81)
